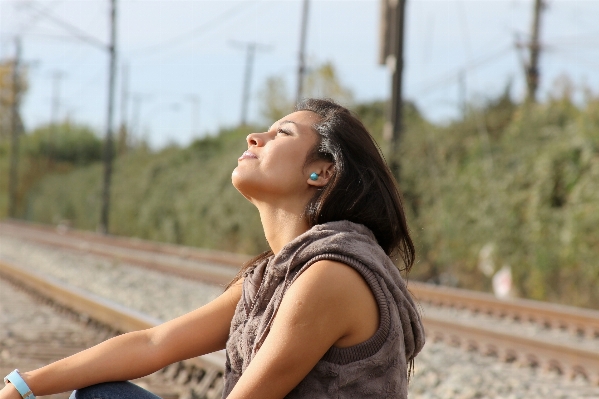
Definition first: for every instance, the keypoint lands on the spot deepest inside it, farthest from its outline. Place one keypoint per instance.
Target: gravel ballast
(441, 371)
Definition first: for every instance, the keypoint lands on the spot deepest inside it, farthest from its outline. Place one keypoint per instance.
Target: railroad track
(568, 359)
(193, 378)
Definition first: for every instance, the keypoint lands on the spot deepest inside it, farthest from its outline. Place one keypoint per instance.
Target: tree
(276, 103)
(64, 142)
(7, 96)
(323, 82)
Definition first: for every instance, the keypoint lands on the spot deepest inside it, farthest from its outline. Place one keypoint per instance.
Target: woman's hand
(139, 353)
(9, 392)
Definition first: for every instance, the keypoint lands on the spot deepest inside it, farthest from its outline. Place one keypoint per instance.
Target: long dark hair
(362, 188)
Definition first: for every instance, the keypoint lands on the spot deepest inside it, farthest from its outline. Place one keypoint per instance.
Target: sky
(186, 59)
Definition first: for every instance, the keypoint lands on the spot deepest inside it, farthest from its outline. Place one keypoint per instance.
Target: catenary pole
(250, 48)
(194, 100)
(108, 143)
(123, 138)
(462, 93)
(301, 65)
(532, 69)
(15, 127)
(247, 81)
(56, 80)
(396, 95)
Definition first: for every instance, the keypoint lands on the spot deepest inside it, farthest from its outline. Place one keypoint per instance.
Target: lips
(247, 155)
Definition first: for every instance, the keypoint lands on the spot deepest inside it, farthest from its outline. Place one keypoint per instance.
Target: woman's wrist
(17, 382)
(9, 392)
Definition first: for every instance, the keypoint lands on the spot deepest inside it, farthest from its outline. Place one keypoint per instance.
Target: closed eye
(283, 131)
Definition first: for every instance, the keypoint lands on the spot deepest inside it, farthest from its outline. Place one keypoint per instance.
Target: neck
(282, 224)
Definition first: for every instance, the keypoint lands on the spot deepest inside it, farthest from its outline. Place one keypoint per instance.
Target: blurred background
(500, 180)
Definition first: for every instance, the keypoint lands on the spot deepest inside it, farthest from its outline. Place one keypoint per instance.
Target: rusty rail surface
(567, 359)
(206, 255)
(210, 266)
(577, 320)
(202, 374)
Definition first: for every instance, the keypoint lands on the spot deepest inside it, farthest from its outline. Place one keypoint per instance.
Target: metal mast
(108, 144)
(532, 69)
(396, 95)
(301, 68)
(15, 126)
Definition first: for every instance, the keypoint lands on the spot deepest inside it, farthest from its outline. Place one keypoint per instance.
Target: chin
(240, 183)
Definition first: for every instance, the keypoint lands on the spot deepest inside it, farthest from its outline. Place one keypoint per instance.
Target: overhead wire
(34, 18)
(450, 77)
(196, 32)
(568, 55)
(72, 29)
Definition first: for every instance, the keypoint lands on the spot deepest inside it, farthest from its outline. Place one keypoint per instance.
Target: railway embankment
(451, 366)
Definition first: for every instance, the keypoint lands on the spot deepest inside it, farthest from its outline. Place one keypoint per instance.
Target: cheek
(280, 170)
(276, 176)
(269, 177)
(286, 168)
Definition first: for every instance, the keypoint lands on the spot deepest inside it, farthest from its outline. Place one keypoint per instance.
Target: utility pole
(124, 125)
(532, 69)
(137, 100)
(15, 127)
(108, 144)
(195, 114)
(250, 48)
(247, 81)
(462, 93)
(301, 65)
(56, 80)
(396, 95)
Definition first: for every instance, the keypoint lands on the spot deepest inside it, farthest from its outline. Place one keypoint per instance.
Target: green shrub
(65, 142)
(521, 180)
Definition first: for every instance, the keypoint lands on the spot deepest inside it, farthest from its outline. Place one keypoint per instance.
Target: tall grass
(521, 181)
(181, 196)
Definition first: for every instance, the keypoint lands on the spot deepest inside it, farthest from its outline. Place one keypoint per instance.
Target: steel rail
(575, 319)
(206, 255)
(212, 268)
(207, 368)
(151, 255)
(566, 358)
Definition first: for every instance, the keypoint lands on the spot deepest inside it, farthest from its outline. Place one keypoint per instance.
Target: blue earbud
(314, 176)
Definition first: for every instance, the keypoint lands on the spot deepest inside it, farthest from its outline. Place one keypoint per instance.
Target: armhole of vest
(373, 344)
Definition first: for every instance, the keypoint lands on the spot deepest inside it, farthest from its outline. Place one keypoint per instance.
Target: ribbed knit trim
(372, 345)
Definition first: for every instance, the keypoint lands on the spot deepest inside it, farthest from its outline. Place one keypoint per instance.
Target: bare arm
(138, 353)
(328, 305)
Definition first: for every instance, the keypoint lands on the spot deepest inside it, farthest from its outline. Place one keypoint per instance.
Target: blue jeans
(113, 390)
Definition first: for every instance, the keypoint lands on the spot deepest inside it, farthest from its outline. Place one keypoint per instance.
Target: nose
(254, 139)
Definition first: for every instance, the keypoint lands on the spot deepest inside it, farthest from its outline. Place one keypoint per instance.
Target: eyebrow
(285, 122)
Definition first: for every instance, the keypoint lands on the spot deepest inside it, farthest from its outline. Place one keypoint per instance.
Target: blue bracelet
(19, 383)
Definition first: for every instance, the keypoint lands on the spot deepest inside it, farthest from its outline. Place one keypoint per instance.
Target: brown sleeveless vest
(376, 368)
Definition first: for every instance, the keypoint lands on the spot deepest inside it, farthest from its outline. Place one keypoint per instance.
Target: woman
(324, 313)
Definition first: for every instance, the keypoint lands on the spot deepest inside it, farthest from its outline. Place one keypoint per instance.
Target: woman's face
(272, 168)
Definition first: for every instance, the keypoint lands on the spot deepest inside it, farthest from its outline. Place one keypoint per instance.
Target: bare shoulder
(339, 294)
(329, 304)
(334, 277)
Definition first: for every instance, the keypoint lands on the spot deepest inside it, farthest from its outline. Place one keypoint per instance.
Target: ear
(324, 170)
